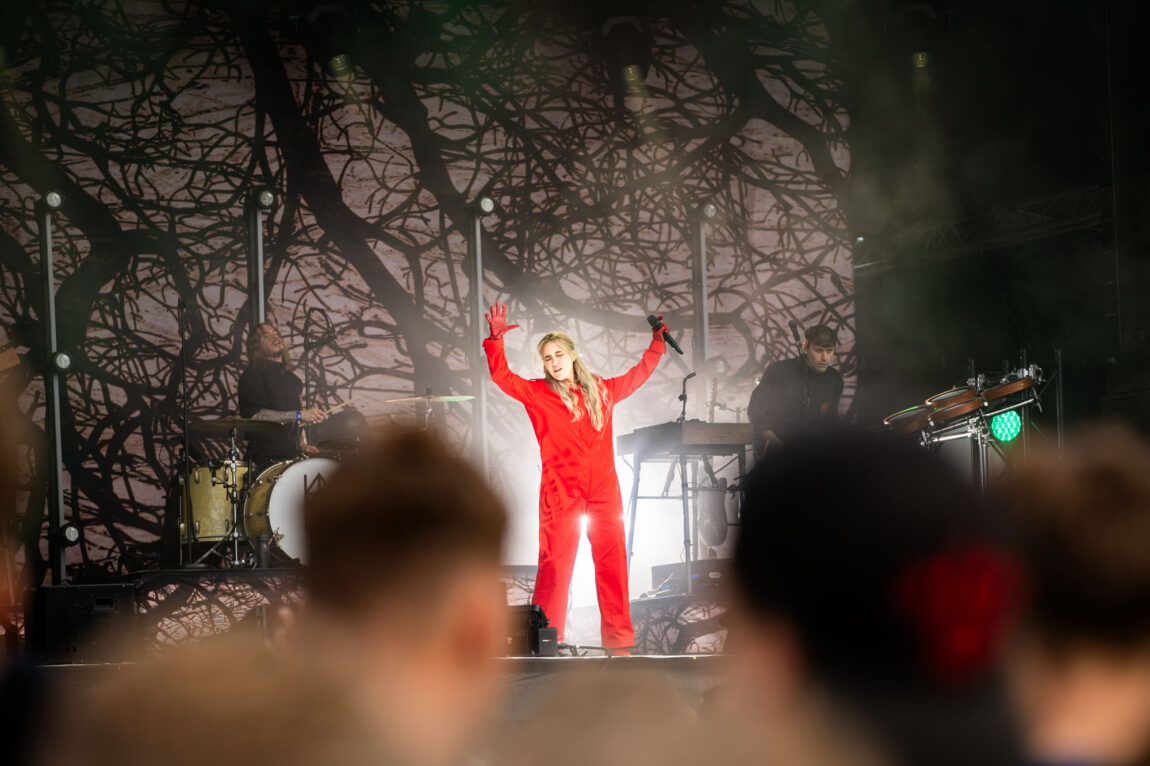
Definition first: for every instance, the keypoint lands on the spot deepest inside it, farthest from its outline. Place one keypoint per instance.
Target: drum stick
(342, 404)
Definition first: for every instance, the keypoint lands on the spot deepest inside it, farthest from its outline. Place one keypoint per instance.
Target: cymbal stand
(428, 413)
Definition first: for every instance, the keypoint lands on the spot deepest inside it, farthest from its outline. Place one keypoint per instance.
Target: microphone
(656, 324)
(795, 332)
(693, 374)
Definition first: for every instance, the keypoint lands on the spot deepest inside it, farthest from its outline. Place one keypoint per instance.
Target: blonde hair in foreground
(594, 393)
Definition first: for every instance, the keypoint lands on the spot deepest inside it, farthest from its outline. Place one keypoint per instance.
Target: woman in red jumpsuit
(570, 409)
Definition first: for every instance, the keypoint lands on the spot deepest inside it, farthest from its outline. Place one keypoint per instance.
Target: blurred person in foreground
(21, 682)
(392, 660)
(627, 715)
(873, 595)
(1080, 669)
(225, 701)
(406, 603)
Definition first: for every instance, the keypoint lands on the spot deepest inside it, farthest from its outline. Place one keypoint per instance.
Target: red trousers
(559, 530)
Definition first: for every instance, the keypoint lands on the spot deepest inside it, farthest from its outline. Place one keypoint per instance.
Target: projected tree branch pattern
(155, 120)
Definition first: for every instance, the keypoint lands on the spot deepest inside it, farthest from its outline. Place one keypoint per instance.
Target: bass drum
(276, 499)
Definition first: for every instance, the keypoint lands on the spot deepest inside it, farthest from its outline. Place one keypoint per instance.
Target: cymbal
(224, 425)
(431, 399)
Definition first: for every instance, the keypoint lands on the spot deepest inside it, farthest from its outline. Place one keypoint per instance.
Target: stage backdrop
(156, 118)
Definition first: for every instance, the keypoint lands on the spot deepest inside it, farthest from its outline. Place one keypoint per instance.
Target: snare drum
(1007, 388)
(209, 489)
(275, 502)
(947, 415)
(908, 421)
(952, 397)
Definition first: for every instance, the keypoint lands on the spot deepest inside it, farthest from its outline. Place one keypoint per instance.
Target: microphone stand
(683, 399)
(308, 345)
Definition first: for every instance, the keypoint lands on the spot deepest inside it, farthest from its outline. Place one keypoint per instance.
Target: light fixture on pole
(331, 34)
(256, 204)
(59, 362)
(708, 213)
(482, 206)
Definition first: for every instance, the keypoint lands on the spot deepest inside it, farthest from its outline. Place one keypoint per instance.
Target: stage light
(263, 199)
(718, 365)
(70, 534)
(626, 44)
(920, 59)
(53, 199)
(331, 33)
(1005, 426)
(339, 65)
(859, 240)
(62, 361)
(484, 204)
(710, 210)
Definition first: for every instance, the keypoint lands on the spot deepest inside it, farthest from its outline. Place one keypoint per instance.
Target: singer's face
(819, 358)
(557, 362)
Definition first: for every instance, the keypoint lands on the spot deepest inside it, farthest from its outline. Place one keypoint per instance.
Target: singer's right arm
(510, 383)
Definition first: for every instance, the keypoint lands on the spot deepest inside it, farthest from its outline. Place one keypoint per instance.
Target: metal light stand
(254, 209)
(478, 368)
(52, 385)
(188, 552)
(700, 345)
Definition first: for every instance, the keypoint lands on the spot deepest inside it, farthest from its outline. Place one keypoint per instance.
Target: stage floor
(529, 678)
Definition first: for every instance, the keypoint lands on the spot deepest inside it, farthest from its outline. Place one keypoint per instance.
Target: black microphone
(795, 332)
(656, 324)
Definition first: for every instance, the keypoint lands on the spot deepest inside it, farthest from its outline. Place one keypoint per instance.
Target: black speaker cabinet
(529, 634)
(707, 576)
(82, 623)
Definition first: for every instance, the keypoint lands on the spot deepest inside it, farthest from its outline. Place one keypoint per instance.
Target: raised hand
(496, 317)
(658, 330)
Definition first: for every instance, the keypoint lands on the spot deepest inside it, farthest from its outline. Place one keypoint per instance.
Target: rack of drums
(966, 411)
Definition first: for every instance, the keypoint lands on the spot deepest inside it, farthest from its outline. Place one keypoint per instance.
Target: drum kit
(966, 412)
(242, 517)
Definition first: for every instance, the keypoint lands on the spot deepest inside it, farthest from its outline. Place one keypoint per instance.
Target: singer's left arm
(624, 385)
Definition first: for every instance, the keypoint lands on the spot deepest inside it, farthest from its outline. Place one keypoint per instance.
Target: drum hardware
(218, 518)
(953, 396)
(428, 399)
(965, 412)
(909, 420)
(234, 425)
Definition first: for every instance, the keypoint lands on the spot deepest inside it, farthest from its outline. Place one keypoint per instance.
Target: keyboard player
(797, 395)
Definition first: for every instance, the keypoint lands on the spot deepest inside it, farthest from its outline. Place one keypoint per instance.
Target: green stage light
(1006, 425)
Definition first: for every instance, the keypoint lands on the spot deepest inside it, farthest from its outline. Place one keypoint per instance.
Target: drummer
(797, 394)
(269, 390)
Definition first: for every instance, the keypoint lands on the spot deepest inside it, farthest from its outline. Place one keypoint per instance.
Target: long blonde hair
(594, 392)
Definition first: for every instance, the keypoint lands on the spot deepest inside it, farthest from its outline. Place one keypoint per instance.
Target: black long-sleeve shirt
(790, 401)
(270, 386)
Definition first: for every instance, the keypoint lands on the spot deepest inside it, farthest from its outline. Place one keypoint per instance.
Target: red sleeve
(511, 384)
(625, 385)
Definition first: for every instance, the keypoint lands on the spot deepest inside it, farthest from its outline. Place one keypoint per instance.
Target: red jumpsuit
(578, 479)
